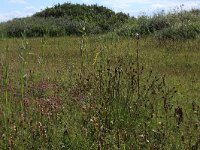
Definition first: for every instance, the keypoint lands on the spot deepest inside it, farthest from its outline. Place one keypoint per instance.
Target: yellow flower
(95, 59)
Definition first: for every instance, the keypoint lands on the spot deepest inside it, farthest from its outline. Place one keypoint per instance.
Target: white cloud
(167, 4)
(27, 11)
(134, 7)
(10, 15)
(18, 1)
(30, 10)
(149, 2)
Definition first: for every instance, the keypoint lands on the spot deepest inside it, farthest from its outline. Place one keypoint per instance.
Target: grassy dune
(82, 93)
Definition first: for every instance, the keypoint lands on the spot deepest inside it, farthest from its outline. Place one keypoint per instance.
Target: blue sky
(10, 9)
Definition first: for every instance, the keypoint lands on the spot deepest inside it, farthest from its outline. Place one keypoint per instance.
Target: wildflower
(137, 36)
(142, 136)
(178, 115)
(91, 120)
(96, 57)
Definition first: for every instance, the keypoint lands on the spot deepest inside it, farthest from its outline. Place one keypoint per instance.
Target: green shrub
(149, 25)
(70, 19)
(127, 31)
(2, 30)
(179, 33)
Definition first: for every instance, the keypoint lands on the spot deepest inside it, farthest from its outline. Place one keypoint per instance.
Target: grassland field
(41, 98)
(178, 61)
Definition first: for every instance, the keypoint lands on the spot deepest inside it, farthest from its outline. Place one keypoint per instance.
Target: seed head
(137, 36)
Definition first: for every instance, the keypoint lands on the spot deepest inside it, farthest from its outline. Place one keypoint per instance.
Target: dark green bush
(148, 25)
(179, 33)
(2, 30)
(175, 26)
(67, 19)
(127, 31)
(156, 24)
(70, 19)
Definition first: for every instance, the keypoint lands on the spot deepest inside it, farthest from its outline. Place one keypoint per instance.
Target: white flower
(137, 36)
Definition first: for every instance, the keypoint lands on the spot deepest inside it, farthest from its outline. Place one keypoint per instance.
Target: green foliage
(180, 33)
(2, 30)
(174, 26)
(57, 94)
(144, 25)
(129, 28)
(67, 19)
(76, 19)
(113, 111)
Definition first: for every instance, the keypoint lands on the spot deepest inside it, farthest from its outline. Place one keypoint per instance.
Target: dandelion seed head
(137, 36)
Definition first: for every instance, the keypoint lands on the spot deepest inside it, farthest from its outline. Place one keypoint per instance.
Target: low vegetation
(76, 19)
(100, 91)
(66, 19)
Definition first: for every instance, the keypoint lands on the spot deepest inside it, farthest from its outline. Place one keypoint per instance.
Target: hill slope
(176, 25)
(76, 19)
(66, 19)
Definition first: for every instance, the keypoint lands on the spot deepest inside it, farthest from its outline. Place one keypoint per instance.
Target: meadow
(99, 92)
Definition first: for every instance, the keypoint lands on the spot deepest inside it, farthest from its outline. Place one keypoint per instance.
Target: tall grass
(102, 92)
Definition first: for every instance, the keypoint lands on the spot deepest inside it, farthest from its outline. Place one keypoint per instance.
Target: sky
(10, 9)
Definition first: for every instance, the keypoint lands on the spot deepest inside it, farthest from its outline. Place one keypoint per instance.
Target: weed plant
(84, 93)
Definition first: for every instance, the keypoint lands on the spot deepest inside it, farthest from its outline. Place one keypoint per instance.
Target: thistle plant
(137, 36)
